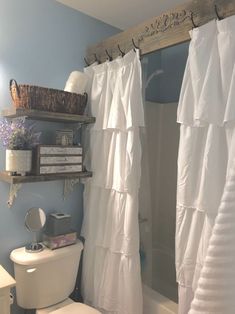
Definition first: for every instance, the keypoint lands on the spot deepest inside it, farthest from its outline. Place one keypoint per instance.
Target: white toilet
(44, 280)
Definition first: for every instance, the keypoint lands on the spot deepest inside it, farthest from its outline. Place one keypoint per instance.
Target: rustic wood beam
(168, 29)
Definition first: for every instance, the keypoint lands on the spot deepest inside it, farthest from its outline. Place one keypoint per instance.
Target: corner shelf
(46, 116)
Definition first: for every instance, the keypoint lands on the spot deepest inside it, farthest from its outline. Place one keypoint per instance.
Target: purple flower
(16, 135)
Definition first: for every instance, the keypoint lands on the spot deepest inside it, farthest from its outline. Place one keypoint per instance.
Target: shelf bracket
(14, 188)
(69, 186)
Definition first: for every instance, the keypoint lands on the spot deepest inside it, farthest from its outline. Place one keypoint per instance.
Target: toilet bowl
(68, 307)
(44, 280)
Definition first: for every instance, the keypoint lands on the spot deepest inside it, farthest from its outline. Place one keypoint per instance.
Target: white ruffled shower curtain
(205, 226)
(111, 263)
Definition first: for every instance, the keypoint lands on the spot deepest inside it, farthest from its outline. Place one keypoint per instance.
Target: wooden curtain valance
(168, 29)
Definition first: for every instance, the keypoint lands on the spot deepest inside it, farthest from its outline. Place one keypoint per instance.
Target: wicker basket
(47, 99)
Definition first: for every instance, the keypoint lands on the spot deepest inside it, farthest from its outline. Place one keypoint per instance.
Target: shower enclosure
(160, 140)
(158, 222)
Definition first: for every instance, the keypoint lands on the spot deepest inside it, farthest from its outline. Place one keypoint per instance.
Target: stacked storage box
(55, 159)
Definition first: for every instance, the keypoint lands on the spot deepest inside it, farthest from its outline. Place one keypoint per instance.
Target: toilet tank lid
(21, 257)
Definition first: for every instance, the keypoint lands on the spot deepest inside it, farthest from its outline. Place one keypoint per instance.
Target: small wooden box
(64, 137)
(53, 159)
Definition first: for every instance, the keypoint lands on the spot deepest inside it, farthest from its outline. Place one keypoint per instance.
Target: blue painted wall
(41, 42)
(166, 87)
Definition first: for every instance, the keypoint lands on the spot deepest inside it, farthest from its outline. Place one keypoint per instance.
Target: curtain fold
(206, 113)
(111, 265)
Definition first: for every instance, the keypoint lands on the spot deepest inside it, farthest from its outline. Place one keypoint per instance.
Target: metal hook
(194, 25)
(122, 52)
(217, 13)
(109, 56)
(136, 47)
(87, 63)
(96, 59)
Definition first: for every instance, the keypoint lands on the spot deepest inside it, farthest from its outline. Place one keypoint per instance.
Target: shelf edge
(43, 178)
(46, 115)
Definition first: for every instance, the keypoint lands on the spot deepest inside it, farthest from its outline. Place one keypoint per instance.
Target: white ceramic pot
(18, 161)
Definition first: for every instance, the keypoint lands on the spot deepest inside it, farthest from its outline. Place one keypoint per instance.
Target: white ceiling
(122, 13)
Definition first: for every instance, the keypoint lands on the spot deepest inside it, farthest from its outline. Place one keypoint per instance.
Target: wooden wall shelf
(46, 116)
(43, 178)
(70, 179)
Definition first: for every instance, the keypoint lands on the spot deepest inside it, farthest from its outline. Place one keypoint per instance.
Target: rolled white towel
(76, 83)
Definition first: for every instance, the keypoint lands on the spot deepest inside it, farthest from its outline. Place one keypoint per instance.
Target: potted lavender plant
(19, 139)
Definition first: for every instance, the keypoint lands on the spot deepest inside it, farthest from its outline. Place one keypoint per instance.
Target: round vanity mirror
(35, 220)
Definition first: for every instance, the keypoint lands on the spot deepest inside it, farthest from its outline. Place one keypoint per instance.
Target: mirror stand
(35, 220)
(34, 246)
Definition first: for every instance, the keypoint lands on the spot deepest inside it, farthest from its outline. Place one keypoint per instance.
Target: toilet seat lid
(76, 308)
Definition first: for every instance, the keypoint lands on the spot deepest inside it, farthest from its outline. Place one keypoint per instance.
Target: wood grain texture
(42, 178)
(60, 160)
(168, 29)
(46, 116)
(58, 169)
(59, 150)
(55, 155)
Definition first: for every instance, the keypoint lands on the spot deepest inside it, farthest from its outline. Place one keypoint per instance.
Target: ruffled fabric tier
(116, 97)
(111, 220)
(111, 267)
(208, 87)
(202, 166)
(193, 231)
(114, 157)
(111, 278)
(206, 112)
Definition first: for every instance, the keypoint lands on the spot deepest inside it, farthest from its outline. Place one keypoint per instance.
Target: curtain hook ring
(122, 52)
(217, 13)
(109, 56)
(133, 42)
(87, 63)
(192, 20)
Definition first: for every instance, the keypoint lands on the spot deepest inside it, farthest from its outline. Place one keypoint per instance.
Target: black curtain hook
(96, 59)
(122, 52)
(109, 56)
(135, 46)
(87, 63)
(194, 25)
(217, 13)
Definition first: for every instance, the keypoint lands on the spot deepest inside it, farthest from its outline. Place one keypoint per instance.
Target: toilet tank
(45, 278)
